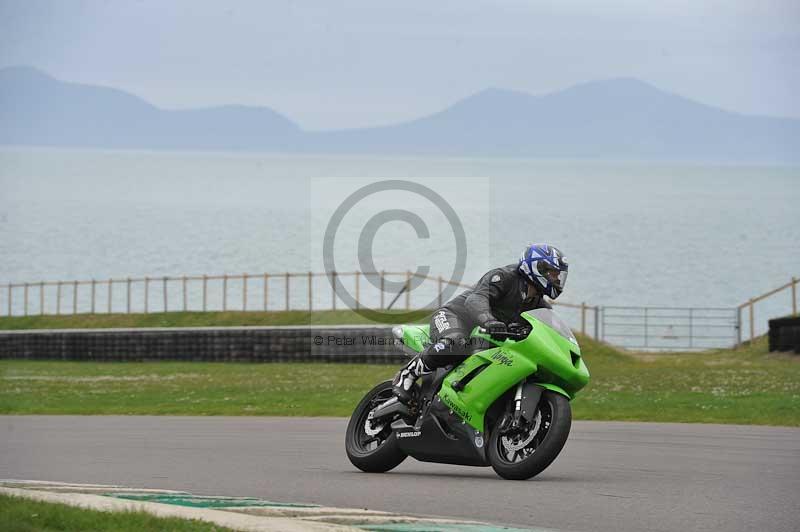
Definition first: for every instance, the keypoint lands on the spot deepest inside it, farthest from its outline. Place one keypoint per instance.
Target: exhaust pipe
(389, 408)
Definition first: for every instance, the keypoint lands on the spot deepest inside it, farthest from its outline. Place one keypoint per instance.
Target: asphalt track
(610, 476)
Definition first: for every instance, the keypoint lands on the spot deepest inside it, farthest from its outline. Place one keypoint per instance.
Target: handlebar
(519, 334)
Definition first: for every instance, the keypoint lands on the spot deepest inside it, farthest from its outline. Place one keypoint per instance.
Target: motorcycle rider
(496, 301)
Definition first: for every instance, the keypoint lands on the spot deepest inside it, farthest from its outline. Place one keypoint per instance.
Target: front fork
(526, 400)
(511, 419)
(518, 402)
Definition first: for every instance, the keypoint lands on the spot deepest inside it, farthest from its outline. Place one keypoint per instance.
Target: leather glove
(519, 330)
(494, 326)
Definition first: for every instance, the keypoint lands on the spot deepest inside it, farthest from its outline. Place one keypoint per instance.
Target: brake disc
(369, 429)
(511, 446)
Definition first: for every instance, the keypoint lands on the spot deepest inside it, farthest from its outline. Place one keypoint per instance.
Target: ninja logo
(502, 359)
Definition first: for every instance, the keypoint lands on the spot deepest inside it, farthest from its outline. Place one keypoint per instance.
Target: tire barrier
(784, 334)
(351, 344)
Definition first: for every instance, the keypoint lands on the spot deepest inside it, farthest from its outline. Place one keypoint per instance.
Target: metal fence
(242, 292)
(632, 327)
(248, 292)
(669, 328)
(683, 328)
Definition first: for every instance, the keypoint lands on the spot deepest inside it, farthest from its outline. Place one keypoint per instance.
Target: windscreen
(548, 317)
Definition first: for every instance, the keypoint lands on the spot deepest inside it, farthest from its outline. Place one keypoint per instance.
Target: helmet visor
(554, 276)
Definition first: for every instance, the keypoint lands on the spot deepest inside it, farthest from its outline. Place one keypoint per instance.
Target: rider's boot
(406, 378)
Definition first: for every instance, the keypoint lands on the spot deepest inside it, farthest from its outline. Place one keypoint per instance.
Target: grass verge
(747, 385)
(18, 514)
(191, 319)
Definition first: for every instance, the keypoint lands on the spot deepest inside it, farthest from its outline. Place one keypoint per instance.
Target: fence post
(439, 298)
(10, 291)
(690, 327)
(794, 296)
(645, 326)
(752, 321)
(738, 326)
(358, 290)
(408, 289)
(146, 295)
(25, 298)
(75, 297)
(58, 298)
(310, 293)
(128, 295)
(224, 292)
(164, 291)
(596, 324)
(185, 297)
(333, 290)
(266, 291)
(41, 298)
(110, 298)
(603, 324)
(244, 292)
(286, 286)
(205, 291)
(583, 317)
(94, 292)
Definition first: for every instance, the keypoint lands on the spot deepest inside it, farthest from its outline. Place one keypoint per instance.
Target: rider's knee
(447, 350)
(458, 342)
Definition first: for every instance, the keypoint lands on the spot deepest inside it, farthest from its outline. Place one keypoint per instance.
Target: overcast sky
(346, 64)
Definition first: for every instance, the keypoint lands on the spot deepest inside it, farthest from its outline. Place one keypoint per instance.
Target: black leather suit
(500, 295)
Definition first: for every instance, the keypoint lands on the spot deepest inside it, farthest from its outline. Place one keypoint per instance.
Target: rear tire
(386, 454)
(549, 436)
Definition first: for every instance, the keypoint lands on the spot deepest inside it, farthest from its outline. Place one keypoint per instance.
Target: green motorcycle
(506, 406)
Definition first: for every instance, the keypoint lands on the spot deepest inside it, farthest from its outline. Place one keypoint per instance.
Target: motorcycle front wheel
(522, 452)
(372, 447)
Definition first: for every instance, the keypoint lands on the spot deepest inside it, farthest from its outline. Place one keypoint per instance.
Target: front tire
(520, 454)
(378, 452)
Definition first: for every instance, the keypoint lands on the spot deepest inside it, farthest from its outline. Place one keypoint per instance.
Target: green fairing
(416, 337)
(554, 361)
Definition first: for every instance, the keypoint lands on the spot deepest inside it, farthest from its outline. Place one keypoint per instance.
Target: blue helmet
(545, 267)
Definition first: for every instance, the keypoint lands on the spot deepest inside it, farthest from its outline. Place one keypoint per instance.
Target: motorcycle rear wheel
(540, 440)
(386, 453)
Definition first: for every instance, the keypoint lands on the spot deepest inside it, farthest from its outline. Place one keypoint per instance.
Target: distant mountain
(36, 109)
(612, 119)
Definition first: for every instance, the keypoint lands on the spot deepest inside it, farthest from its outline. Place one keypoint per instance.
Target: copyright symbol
(318, 340)
(367, 238)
